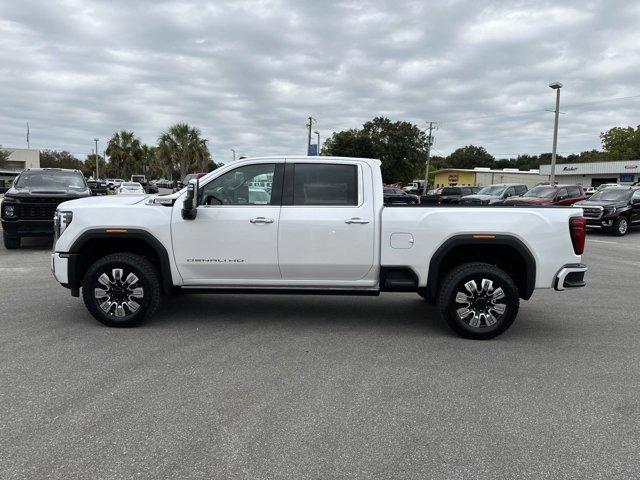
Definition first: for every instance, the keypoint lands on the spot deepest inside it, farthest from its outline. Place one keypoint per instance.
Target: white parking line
(604, 241)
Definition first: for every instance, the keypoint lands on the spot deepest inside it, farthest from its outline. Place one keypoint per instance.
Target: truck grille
(38, 208)
(592, 212)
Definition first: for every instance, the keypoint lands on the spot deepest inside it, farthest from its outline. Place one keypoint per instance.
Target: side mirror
(189, 207)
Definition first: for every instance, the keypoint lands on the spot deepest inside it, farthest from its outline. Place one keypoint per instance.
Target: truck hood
(46, 192)
(528, 201)
(482, 198)
(105, 201)
(600, 203)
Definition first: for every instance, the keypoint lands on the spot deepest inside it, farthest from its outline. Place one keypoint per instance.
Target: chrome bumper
(570, 276)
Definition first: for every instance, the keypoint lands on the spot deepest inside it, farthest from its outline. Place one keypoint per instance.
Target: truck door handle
(356, 220)
(261, 220)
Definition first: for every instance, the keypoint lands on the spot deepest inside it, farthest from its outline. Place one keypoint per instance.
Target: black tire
(620, 226)
(121, 291)
(489, 321)
(10, 243)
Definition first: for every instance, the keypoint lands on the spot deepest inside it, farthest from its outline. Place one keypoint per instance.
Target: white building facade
(595, 173)
(19, 159)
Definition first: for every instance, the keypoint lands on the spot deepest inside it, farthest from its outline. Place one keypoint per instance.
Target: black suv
(448, 195)
(29, 205)
(613, 209)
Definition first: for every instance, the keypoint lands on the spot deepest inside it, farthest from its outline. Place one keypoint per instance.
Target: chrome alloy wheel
(623, 225)
(480, 308)
(119, 297)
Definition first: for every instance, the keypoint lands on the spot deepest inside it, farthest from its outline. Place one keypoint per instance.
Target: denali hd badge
(215, 260)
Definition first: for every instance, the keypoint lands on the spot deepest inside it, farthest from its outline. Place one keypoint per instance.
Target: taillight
(578, 230)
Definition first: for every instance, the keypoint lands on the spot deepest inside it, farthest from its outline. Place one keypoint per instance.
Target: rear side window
(574, 192)
(450, 191)
(322, 184)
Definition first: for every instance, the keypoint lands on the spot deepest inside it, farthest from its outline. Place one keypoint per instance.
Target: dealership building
(595, 173)
(19, 159)
(482, 176)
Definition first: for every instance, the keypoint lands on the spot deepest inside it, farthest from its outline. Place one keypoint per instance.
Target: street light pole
(97, 167)
(556, 86)
(234, 154)
(318, 134)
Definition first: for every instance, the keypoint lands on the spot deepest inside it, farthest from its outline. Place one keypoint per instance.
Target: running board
(366, 292)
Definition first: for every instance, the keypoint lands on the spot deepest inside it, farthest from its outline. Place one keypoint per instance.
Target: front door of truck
(327, 222)
(234, 237)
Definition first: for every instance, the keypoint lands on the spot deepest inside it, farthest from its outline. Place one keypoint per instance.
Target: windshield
(51, 179)
(540, 192)
(612, 194)
(131, 185)
(496, 190)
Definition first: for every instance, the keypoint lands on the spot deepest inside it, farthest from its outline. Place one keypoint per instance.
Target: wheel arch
(504, 251)
(96, 243)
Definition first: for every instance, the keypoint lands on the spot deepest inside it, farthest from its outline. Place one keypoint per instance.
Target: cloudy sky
(248, 73)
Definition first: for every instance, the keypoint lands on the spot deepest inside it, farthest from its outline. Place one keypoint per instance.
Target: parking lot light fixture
(555, 86)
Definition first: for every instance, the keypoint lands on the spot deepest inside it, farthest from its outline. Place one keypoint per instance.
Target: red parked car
(549, 195)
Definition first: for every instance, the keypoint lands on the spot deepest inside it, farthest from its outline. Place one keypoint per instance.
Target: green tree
(59, 159)
(125, 152)
(89, 167)
(400, 146)
(470, 156)
(182, 148)
(4, 158)
(622, 143)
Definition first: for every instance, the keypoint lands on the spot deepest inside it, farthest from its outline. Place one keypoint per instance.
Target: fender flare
(129, 233)
(448, 245)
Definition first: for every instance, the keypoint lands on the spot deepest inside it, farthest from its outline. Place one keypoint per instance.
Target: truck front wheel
(10, 243)
(478, 300)
(121, 290)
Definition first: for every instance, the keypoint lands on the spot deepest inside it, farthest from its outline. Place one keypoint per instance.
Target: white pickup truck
(315, 226)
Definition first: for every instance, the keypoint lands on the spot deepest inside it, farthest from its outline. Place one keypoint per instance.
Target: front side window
(246, 185)
(325, 184)
(562, 194)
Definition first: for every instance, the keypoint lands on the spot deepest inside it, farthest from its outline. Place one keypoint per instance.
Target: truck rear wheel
(121, 290)
(478, 300)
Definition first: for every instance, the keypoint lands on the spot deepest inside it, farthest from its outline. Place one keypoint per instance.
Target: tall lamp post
(556, 86)
(318, 134)
(234, 154)
(97, 162)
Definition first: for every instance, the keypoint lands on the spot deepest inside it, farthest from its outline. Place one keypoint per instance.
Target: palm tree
(182, 148)
(125, 153)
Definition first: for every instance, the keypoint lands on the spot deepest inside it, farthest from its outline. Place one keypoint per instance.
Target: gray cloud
(249, 73)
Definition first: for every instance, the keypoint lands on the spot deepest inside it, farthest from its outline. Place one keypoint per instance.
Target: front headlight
(61, 221)
(8, 211)
(611, 210)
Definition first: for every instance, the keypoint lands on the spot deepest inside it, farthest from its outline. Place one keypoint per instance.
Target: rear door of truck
(327, 222)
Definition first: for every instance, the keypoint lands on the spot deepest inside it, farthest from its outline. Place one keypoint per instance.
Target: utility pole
(234, 154)
(556, 86)
(429, 144)
(28, 136)
(97, 162)
(309, 126)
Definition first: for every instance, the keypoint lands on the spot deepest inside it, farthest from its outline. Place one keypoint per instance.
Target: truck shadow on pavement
(392, 313)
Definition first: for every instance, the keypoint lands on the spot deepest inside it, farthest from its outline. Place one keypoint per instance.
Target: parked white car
(130, 188)
(321, 229)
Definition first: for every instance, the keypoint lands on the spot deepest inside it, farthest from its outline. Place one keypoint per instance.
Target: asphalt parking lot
(320, 387)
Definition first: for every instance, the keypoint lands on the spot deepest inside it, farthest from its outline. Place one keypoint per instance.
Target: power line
(527, 112)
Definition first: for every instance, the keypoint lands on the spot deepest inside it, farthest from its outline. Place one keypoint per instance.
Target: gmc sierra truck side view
(301, 225)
